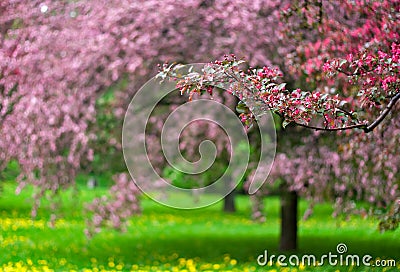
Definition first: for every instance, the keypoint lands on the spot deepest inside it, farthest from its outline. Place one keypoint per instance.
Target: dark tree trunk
(288, 239)
(229, 202)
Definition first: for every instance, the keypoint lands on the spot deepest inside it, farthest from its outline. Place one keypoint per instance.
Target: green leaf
(324, 96)
(343, 61)
(241, 107)
(285, 123)
(281, 86)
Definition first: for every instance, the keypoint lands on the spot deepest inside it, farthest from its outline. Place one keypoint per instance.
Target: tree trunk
(229, 202)
(288, 239)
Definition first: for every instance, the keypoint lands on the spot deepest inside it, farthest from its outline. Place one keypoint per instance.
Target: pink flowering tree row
(58, 57)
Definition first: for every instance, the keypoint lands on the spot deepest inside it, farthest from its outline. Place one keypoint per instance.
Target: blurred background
(69, 69)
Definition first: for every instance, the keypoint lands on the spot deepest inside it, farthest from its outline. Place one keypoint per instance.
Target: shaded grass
(165, 239)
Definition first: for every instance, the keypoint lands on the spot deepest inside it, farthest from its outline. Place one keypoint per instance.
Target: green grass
(165, 239)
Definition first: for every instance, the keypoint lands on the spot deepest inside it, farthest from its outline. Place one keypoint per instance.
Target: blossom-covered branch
(261, 90)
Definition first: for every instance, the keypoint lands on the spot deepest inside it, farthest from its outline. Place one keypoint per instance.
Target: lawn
(165, 239)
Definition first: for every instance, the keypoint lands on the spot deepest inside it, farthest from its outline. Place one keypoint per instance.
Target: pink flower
(350, 58)
(387, 81)
(327, 67)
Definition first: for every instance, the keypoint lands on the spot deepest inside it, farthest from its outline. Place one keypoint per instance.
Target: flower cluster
(262, 90)
(376, 74)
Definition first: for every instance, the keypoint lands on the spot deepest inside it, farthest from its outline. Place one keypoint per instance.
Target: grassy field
(164, 239)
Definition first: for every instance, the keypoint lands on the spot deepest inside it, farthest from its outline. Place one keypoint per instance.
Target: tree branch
(384, 113)
(367, 128)
(362, 126)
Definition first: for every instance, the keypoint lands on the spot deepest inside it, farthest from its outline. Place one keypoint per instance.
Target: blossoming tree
(346, 58)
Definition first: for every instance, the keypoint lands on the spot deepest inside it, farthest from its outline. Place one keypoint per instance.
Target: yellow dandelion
(62, 261)
(42, 262)
(189, 262)
(216, 266)
(47, 269)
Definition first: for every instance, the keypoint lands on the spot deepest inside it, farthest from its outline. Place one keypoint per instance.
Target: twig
(365, 127)
(384, 113)
(362, 126)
